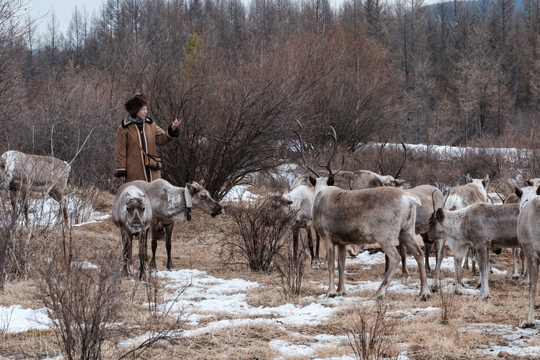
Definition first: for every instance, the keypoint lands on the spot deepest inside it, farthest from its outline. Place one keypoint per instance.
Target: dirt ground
(461, 329)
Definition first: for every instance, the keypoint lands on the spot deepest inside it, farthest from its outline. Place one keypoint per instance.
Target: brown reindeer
(132, 213)
(171, 203)
(376, 215)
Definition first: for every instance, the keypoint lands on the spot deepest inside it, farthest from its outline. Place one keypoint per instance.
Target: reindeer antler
(400, 171)
(334, 147)
(302, 151)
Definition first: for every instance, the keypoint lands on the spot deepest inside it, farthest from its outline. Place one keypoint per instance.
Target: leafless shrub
(17, 241)
(368, 332)
(81, 204)
(257, 234)
(162, 324)
(448, 305)
(291, 267)
(81, 301)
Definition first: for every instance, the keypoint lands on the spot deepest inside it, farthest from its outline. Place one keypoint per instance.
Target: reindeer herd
(343, 209)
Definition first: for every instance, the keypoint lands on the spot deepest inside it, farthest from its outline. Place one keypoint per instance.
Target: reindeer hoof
(514, 276)
(331, 295)
(435, 288)
(315, 265)
(405, 275)
(527, 325)
(425, 297)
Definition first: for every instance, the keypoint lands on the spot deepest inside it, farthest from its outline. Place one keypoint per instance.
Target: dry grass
(197, 245)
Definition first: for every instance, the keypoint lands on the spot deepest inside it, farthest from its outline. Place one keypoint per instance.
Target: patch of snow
(15, 319)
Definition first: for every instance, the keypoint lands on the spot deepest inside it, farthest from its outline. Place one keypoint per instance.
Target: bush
(257, 236)
(81, 302)
(368, 332)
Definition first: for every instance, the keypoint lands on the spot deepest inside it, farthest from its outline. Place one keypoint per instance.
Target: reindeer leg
(317, 247)
(407, 239)
(331, 267)
(342, 256)
(483, 264)
(440, 251)
(403, 254)
(427, 247)
(143, 253)
(126, 254)
(168, 245)
(515, 270)
(390, 250)
(314, 259)
(466, 262)
(457, 276)
(295, 244)
(532, 269)
(153, 230)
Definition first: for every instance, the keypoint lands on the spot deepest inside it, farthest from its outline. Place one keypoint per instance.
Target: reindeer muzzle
(217, 212)
(135, 228)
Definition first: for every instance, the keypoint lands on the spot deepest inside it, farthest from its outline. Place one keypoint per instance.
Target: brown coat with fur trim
(129, 157)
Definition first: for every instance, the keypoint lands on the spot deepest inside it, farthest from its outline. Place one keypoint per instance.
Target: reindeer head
(435, 231)
(526, 194)
(137, 213)
(199, 197)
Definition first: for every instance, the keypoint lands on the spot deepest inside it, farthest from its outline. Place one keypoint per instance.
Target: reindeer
(479, 226)
(473, 192)
(132, 213)
(24, 173)
(528, 233)
(376, 215)
(171, 203)
(514, 199)
(349, 180)
(431, 199)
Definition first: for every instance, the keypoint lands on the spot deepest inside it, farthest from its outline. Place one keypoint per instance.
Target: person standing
(138, 133)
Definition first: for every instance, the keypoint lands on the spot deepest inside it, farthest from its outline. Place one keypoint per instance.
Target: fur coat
(129, 157)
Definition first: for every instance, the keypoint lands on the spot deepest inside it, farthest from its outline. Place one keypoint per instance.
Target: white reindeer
(528, 233)
(172, 203)
(473, 192)
(24, 173)
(132, 213)
(480, 227)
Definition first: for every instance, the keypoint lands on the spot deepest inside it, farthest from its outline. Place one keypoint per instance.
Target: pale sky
(63, 11)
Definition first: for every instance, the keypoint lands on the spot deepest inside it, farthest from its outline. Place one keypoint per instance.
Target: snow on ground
(198, 296)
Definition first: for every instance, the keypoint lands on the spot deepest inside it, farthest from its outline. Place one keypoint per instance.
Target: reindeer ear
(538, 190)
(485, 181)
(468, 178)
(529, 182)
(192, 188)
(330, 181)
(399, 182)
(440, 215)
(518, 192)
(312, 180)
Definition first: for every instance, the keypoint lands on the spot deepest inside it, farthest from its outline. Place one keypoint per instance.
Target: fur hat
(135, 103)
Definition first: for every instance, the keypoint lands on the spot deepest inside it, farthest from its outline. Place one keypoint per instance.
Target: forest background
(240, 74)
